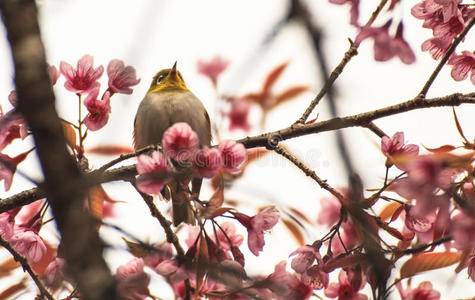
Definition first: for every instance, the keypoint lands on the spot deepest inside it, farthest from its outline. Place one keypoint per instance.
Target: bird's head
(167, 79)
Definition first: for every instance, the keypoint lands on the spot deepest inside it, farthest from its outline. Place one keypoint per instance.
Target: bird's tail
(182, 210)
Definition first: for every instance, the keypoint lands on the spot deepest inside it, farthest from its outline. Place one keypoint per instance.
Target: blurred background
(255, 37)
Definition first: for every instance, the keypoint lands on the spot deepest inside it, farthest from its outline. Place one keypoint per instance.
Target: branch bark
(263, 140)
(64, 184)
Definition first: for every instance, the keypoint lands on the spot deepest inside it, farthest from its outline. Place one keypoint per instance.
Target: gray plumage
(156, 113)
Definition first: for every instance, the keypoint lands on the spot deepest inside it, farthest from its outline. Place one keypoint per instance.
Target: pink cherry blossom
(419, 223)
(7, 223)
(8, 167)
(229, 234)
(382, 41)
(54, 274)
(385, 46)
(305, 256)
(437, 47)
(427, 175)
(164, 251)
(233, 154)
(426, 10)
(394, 149)
(133, 281)
(288, 286)
(180, 142)
(99, 110)
(153, 171)
(256, 225)
(206, 162)
(449, 30)
(349, 236)
(330, 211)
(462, 228)
(239, 114)
(316, 278)
(28, 212)
(401, 48)
(82, 79)
(172, 269)
(462, 65)
(121, 78)
(212, 68)
(343, 289)
(449, 8)
(53, 74)
(11, 127)
(423, 291)
(29, 244)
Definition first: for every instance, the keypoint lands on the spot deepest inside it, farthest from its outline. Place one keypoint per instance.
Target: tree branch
(361, 120)
(352, 51)
(262, 140)
(64, 184)
(24, 263)
(457, 40)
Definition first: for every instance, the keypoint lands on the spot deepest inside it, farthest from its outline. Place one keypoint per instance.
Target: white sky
(152, 34)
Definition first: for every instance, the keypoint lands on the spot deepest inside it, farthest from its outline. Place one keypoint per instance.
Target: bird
(169, 101)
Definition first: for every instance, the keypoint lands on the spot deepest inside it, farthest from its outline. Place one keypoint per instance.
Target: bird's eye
(160, 78)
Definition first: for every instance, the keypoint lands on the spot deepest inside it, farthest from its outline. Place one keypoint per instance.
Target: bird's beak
(173, 73)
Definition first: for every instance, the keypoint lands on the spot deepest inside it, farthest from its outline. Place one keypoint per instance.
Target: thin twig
(301, 165)
(428, 245)
(24, 263)
(349, 54)
(457, 40)
(262, 140)
(375, 129)
(171, 236)
(361, 119)
(123, 157)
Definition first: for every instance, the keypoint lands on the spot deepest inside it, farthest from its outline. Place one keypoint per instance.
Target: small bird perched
(168, 101)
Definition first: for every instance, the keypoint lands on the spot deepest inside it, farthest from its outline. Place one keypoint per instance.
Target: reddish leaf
(110, 150)
(395, 233)
(428, 261)
(95, 200)
(299, 214)
(459, 128)
(69, 133)
(295, 231)
(217, 212)
(311, 121)
(258, 98)
(12, 290)
(272, 77)
(464, 258)
(343, 260)
(289, 94)
(217, 198)
(237, 254)
(7, 266)
(389, 210)
(203, 260)
(136, 249)
(444, 148)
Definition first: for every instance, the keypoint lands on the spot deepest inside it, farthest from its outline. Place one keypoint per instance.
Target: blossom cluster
(221, 250)
(447, 19)
(82, 80)
(181, 144)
